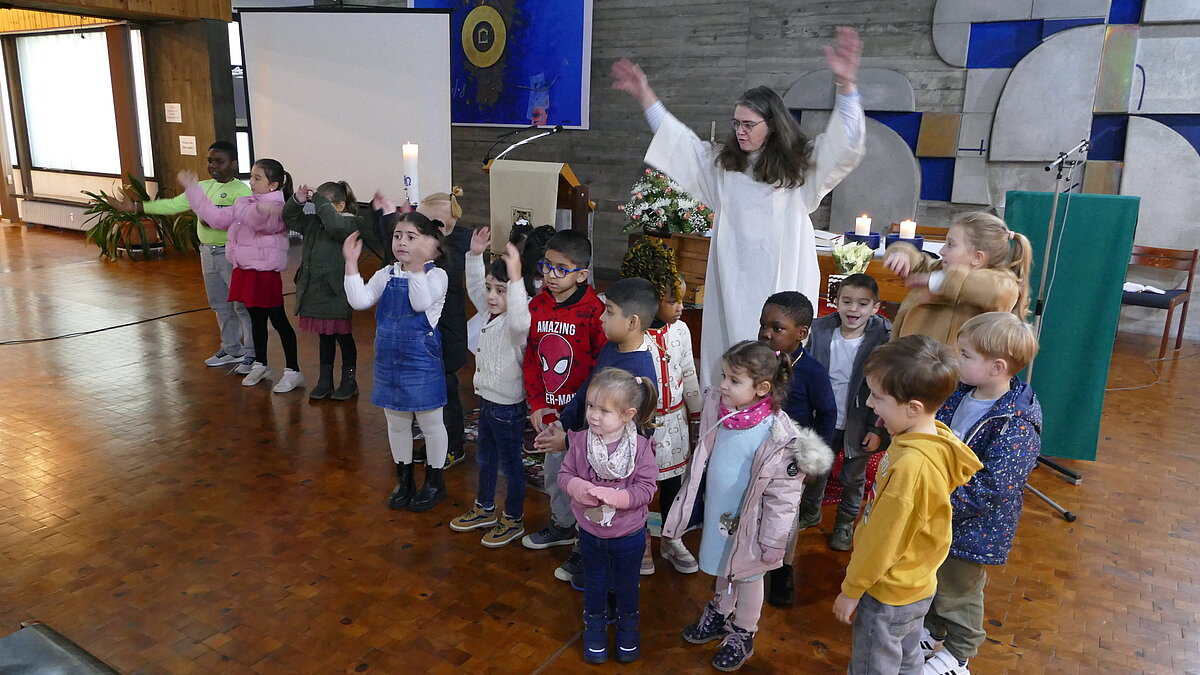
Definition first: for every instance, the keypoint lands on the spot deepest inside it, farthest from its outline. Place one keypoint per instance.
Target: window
(68, 102)
(241, 112)
(67, 88)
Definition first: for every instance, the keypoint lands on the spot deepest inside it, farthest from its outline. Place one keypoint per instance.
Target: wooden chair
(1166, 259)
(930, 232)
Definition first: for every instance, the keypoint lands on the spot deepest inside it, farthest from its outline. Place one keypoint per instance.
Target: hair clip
(1011, 235)
(638, 379)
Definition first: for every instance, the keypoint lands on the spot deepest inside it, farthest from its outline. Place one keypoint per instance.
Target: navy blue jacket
(639, 363)
(859, 418)
(1007, 439)
(810, 401)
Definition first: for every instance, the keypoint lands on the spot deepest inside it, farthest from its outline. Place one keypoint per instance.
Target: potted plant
(116, 231)
(660, 207)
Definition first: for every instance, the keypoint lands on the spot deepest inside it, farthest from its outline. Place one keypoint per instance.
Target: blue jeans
(501, 439)
(611, 565)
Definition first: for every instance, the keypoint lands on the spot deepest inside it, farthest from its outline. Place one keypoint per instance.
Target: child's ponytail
(625, 391)
(339, 191)
(1022, 259)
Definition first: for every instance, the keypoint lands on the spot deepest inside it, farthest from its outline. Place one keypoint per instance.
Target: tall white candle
(862, 225)
(908, 229)
(410, 172)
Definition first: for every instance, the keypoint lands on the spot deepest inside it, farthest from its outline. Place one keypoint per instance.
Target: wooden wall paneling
(13, 20)
(136, 9)
(16, 100)
(188, 64)
(120, 66)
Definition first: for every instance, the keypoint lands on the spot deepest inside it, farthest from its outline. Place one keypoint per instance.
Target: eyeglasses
(738, 125)
(545, 268)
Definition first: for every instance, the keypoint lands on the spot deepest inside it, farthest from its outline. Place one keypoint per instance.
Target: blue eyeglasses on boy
(544, 267)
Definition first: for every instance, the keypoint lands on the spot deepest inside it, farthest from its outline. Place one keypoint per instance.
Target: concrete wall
(700, 55)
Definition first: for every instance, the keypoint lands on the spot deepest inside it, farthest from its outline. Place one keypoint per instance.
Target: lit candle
(862, 225)
(908, 229)
(410, 172)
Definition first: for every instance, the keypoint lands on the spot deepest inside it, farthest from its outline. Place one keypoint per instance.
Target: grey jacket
(859, 418)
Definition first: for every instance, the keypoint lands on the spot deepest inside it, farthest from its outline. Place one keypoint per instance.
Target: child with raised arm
(999, 417)
(905, 532)
(984, 268)
(609, 473)
(500, 297)
(750, 461)
(258, 250)
(409, 379)
(679, 399)
(325, 217)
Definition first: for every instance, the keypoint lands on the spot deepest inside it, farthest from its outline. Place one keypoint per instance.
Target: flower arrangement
(657, 203)
(852, 258)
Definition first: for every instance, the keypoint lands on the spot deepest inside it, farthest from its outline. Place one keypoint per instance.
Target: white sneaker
(929, 644)
(221, 358)
(674, 552)
(245, 366)
(289, 381)
(944, 663)
(257, 372)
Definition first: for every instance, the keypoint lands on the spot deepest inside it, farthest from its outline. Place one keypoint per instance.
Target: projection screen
(335, 94)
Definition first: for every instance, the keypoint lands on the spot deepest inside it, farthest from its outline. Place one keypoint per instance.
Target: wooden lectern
(538, 192)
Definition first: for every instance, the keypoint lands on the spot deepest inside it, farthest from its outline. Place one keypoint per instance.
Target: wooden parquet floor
(171, 521)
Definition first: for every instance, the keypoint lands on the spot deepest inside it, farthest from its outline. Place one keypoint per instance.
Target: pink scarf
(747, 417)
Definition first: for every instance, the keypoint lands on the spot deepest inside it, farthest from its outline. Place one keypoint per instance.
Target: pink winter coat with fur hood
(768, 512)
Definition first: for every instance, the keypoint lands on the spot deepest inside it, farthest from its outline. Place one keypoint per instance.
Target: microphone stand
(1062, 163)
(523, 141)
(487, 156)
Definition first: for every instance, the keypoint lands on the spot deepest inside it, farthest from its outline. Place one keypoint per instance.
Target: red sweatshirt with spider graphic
(564, 340)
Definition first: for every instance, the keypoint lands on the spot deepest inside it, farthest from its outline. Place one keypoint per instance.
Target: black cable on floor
(106, 328)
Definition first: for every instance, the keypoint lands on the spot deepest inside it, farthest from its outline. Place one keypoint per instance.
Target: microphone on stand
(523, 141)
(488, 155)
(1082, 146)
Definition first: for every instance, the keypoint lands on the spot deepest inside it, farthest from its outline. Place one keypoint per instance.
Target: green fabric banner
(1088, 260)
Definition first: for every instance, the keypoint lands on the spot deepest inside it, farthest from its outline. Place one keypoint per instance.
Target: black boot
(348, 387)
(783, 589)
(403, 493)
(628, 637)
(595, 637)
(432, 492)
(324, 386)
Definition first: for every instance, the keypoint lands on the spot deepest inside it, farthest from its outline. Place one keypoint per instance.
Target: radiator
(66, 216)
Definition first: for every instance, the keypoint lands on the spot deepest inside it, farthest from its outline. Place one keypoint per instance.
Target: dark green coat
(320, 292)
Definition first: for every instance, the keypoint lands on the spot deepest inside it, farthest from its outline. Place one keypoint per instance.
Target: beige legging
(400, 437)
(741, 601)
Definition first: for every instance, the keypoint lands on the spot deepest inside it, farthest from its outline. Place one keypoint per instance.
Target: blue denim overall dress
(408, 354)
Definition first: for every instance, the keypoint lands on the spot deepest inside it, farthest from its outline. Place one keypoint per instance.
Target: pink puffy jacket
(258, 238)
(768, 513)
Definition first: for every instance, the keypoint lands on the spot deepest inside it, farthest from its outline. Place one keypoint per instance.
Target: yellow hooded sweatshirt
(904, 535)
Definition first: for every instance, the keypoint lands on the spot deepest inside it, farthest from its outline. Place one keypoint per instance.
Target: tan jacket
(964, 293)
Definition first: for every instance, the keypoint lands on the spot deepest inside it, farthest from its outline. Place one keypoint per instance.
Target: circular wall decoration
(483, 36)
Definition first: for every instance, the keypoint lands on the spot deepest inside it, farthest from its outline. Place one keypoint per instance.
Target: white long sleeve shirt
(426, 290)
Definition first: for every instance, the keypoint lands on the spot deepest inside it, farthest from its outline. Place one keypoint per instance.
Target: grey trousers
(560, 501)
(957, 609)
(232, 317)
(852, 476)
(887, 638)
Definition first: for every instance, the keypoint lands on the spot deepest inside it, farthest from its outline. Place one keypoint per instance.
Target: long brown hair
(1005, 250)
(785, 153)
(339, 191)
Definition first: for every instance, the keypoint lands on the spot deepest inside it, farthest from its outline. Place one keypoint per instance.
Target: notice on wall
(174, 112)
(187, 145)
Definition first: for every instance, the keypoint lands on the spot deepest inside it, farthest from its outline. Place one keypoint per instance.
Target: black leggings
(329, 345)
(667, 489)
(287, 337)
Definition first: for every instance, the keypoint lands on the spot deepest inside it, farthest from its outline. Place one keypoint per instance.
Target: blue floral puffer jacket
(1007, 440)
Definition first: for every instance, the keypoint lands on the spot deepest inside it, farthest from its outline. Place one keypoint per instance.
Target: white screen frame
(319, 85)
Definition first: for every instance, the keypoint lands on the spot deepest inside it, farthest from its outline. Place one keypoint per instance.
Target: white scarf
(619, 464)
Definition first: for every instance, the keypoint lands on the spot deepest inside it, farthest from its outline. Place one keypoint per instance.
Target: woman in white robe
(761, 184)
